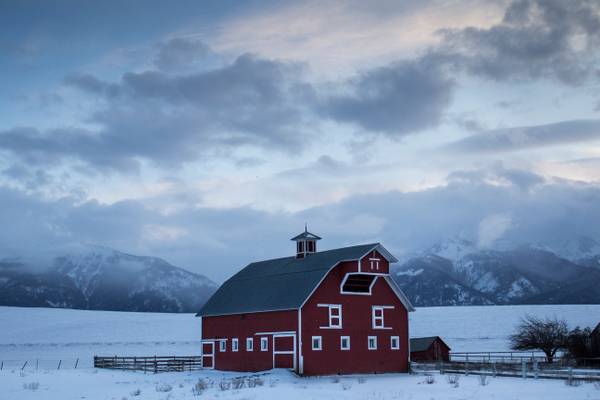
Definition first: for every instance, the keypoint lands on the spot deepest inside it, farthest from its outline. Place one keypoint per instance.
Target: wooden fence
(509, 357)
(153, 364)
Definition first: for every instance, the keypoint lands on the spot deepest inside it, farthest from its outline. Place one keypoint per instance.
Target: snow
(103, 384)
(410, 272)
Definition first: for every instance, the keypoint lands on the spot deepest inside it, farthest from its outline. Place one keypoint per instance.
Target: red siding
(367, 266)
(438, 351)
(356, 323)
(242, 326)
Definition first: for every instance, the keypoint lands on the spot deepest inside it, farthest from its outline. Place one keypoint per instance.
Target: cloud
(492, 228)
(529, 137)
(401, 98)
(181, 52)
(536, 39)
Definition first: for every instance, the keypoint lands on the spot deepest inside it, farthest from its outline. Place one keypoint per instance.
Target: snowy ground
(92, 384)
(45, 336)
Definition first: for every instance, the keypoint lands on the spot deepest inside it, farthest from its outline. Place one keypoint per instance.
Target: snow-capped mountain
(457, 272)
(578, 249)
(100, 278)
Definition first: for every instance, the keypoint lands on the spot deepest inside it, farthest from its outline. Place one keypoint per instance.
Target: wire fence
(43, 364)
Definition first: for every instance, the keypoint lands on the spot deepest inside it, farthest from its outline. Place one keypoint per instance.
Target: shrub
(31, 386)
(224, 385)
(483, 380)
(362, 380)
(238, 383)
(254, 381)
(199, 387)
(336, 379)
(135, 393)
(453, 380)
(346, 386)
(429, 379)
(163, 387)
(597, 385)
(570, 381)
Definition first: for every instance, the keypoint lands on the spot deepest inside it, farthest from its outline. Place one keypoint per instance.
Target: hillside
(457, 272)
(100, 278)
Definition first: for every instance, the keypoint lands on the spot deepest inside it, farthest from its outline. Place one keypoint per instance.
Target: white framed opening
(378, 317)
(345, 343)
(222, 346)
(395, 342)
(264, 344)
(234, 344)
(372, 342)
(317, 343)
(334, 316)
(249, 344)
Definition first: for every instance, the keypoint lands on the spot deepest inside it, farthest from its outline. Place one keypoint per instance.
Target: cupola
(306, 243)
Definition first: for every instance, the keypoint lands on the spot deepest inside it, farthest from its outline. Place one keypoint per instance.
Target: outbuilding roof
(285, 283)
(424, 343)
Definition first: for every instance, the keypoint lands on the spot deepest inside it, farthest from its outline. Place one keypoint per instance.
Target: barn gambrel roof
(285, 283)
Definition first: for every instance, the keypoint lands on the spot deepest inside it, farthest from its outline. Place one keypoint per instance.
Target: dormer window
(374, 263)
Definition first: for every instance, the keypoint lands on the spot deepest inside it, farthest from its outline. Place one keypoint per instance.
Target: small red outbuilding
(330, 312)
(431, 348)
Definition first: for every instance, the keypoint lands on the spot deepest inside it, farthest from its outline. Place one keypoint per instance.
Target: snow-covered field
(124, 385)
(44, 335)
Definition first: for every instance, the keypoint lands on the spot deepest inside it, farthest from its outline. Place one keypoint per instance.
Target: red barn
(329, 312)
(431, 348)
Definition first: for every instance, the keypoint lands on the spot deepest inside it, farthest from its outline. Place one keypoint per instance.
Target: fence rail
(153, 364)
(510, 357)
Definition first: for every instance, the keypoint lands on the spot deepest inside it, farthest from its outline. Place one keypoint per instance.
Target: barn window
(372, 342)
(264, 344)
(358, 283)
(222, 345)
(334, 316)
(234, 344)
(377, 317)
(300, 247)
(345, 342)
(249, 344)
(317, 343)
(374, 263)
(395, 342)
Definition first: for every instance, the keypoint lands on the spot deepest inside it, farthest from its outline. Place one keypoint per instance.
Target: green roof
(282, 283)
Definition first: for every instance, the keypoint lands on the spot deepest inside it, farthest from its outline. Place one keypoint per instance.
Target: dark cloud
(399, 99)
(527, 137)
(180, 53)
(536, 39)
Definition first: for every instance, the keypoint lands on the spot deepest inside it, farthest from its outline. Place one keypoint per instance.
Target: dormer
(306, 243)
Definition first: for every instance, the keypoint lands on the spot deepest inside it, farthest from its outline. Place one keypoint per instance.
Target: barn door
(208, 355)
(284, 351)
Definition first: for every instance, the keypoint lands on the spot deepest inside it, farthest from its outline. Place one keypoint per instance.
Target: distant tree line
(551, 335)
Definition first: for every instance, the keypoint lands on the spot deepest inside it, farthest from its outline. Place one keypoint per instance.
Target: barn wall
(242, 326)
(365, 264)
(356, 323)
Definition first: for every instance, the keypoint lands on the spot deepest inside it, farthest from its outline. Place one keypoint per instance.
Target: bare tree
(547, 335)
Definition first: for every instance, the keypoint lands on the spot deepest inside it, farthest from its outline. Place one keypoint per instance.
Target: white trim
(300, 357)
(222, 346)
(235, 344)
(358, 293)
(264, 339)
(374, 260)
(251, 341)
(211, 355)
(397, 338)
(400, 294)
(375, 318)
(275, 333)
(374, 338)
(330, 307)
(342, 343)
(320, 345)
(293, 351)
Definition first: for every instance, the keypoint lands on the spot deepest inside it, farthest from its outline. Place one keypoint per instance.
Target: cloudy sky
(208, 133)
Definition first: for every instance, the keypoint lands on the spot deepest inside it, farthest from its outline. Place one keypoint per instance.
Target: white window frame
(331, 317)
(264, 344)
(342, 343)
(374, 339)
(235, 344)
(397, 339)
(378, 322)
(222, 345)
(319, 340)
(250, 342)
(374, 263)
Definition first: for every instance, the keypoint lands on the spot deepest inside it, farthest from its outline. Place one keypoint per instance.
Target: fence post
(466, 369)
(1, 365)
(536, 369)
(23, 367)
(494, 372)
(59, 362)
(155, 366)
(76, 363)
(523, 369)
